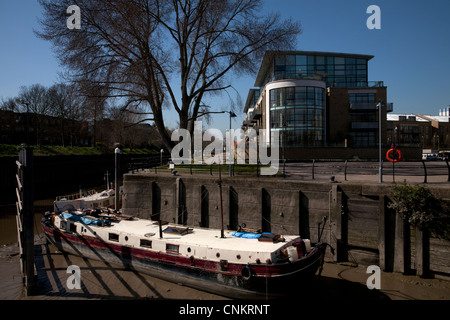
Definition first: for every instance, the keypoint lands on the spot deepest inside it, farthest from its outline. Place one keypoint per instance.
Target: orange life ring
(393, 155)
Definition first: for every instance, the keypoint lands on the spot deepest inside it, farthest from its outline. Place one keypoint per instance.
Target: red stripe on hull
(213, 269)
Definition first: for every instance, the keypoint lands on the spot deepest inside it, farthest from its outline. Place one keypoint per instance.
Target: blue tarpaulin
(249, 235)
(84, 220)
(246, 235)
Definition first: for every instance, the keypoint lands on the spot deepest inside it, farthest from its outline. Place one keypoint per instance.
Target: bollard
(345, 170)
(448, 169)
(425, 180)
(314, 162)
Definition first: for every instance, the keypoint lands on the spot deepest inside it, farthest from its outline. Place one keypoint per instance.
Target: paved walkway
(437, 172)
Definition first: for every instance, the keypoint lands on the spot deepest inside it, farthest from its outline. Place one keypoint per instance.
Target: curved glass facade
(299, 114)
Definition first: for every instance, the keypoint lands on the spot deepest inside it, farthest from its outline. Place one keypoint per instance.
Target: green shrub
(419, 207)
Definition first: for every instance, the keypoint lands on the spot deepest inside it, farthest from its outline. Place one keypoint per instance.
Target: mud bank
(102, 281)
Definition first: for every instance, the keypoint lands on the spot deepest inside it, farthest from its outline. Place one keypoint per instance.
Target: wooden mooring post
(25, 217)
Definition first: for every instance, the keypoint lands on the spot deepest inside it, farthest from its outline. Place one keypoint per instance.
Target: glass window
(350, 61)
(291, 70)
(339, 60)
(280, 69)
(272, 98)
(290, 60)
(361, 61)
(280, 60)
(290, 96)
(300, 95)
(172, 248)
(113, 236)
(146, 243)
(279, 97)
(361, 72)
(361, 67)
(310, 96)
(320, 60)
(319, 96)
(290, 117)
(300, 60)
(351, 69)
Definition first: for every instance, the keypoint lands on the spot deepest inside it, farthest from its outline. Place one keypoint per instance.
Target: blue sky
(412, 48)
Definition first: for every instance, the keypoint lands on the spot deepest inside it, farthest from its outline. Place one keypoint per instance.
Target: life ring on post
(246, 273)
(394, 155)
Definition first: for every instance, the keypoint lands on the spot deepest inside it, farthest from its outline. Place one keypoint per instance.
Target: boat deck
(199, 236)
(201, 243)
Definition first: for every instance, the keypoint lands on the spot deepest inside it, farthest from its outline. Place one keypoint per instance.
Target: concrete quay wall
(358, 223)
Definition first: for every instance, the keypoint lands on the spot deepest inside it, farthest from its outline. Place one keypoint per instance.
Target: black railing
(150, 162)
(333, 170)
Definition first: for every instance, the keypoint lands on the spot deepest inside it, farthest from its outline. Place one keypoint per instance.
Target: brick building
(429, 132)
(319, 100)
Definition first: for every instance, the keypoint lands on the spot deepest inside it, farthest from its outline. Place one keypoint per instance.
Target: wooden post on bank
(402, 250)
(422, 253)
(25, 217)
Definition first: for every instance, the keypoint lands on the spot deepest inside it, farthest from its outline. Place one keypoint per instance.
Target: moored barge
(243, 265)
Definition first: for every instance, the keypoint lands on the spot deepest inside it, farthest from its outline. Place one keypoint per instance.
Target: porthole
(218, 255)
(238, 256)
(188, 249)
(126, 238)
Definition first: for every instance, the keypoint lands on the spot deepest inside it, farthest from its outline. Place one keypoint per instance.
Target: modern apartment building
(317, 100)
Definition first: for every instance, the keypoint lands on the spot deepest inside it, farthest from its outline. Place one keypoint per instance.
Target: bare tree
(9, 104)
(134, 49)
(66, 105)
(34, 100)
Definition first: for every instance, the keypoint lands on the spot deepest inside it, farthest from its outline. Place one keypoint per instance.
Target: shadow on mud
(328, 288)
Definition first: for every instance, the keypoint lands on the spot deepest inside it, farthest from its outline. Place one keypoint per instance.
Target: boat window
(113, 237)
(63, 225)
(177, 230)
(73, 227)
(172, 248)
(146, 243)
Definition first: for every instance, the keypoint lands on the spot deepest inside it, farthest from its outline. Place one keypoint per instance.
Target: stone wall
(358, 223)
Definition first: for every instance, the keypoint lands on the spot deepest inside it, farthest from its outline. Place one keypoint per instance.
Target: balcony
(256, 114)
(323, 77)
(365, 125)
(390, 107)
(361, 84)
(363, 106)
(370, 106)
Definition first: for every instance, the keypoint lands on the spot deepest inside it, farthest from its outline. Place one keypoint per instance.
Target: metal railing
(150, 162)
(315, 170)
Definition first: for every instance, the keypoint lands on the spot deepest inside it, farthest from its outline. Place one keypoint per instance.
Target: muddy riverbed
(100, 281)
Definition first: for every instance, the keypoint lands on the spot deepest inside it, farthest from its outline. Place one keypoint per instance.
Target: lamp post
(26, 103)
(232, 115)
(380, 156)
(117, 172)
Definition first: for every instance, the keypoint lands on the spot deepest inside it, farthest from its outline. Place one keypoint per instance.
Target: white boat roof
(198, 236)
(99, 195)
